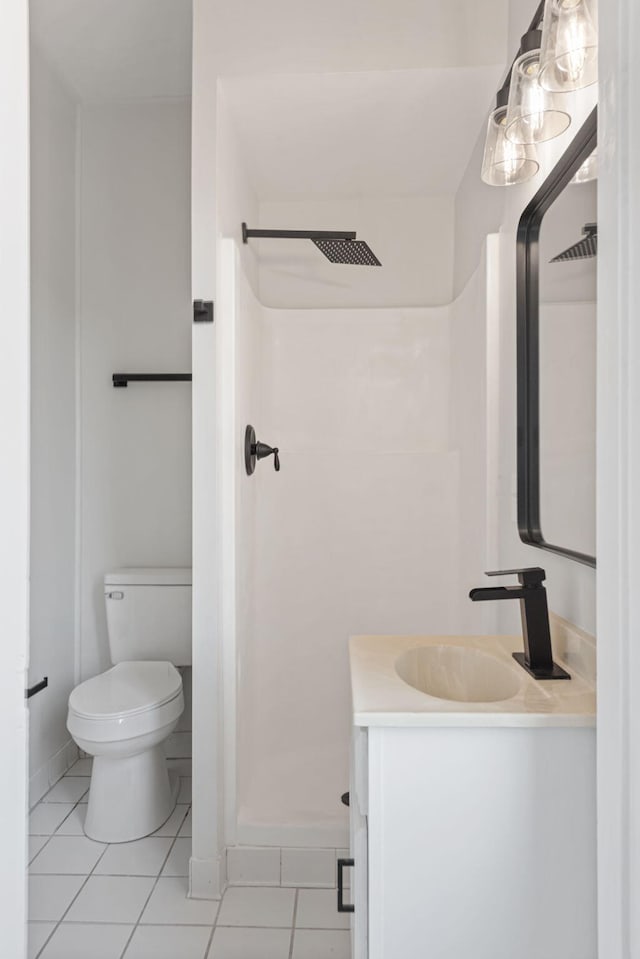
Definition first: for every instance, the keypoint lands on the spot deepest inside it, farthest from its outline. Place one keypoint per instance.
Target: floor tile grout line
(219, 907)
(207, 951)
(146, 903)
(47, 840)
(82, 885)
(47, 940)
(61, 802)
(293, 923)
(250, 925)
(60, 824)
(208, 925)
(245, 925)
(108, 875)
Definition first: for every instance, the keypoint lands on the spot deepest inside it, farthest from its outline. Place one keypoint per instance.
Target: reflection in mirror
(567, 342)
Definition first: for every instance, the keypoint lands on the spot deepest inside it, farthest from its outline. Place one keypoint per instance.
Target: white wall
(135, 316)
(411, 236)
(53, 418)
(14, 476)
(473, 431)
(479, 210)
(237, 202)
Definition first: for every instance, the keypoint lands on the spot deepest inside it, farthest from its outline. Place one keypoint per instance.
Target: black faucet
(537, 658)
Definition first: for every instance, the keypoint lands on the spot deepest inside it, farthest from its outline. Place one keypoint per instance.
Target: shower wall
(412, 236)
(359, 533)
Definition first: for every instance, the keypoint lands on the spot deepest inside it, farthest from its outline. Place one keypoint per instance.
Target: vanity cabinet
(473, 839)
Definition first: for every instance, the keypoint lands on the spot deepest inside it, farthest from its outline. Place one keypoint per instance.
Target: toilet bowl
(121, 718)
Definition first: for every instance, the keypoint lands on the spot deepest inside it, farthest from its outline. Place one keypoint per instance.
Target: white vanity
(473, 823)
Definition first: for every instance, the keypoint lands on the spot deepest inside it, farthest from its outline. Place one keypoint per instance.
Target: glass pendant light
(569, 55)
(505, 162)
(533, 115)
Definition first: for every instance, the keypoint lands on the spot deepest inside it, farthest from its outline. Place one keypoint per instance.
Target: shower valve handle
(261, 450)
(254, 451)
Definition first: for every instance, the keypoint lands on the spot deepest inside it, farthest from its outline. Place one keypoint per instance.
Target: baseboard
(277, 866)
(51, 771)
(332, 835)
(207, 878)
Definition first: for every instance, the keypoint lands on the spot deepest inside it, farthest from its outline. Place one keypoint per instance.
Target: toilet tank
(149, 614)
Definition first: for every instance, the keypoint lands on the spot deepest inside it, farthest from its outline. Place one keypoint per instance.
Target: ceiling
(342, 97)
(294, 36)
(394, 133)
(114, 49)
(117, 49)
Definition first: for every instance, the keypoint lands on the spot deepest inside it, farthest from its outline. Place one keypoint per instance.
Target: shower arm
(297, 234)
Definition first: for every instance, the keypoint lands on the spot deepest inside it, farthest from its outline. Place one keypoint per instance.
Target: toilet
(122, 716)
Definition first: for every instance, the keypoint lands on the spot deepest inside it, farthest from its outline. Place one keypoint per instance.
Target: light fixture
(569, 55)
(505, 163)
(588, 171)
(533, 115)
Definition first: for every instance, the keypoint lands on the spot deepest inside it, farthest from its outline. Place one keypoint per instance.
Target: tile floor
(89, 900)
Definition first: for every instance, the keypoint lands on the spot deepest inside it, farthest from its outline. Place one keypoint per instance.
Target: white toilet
(123, 716)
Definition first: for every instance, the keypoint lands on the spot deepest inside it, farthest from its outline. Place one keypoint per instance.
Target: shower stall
(376, 522)
(354, 361)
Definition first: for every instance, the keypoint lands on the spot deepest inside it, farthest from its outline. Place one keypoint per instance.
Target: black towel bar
(123, 379)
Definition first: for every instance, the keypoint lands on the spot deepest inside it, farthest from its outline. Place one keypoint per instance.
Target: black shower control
(254, 450)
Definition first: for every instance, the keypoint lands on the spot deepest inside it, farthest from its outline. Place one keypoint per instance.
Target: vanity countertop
(381, 698)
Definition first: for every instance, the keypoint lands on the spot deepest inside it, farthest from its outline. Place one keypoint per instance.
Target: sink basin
(458, 673)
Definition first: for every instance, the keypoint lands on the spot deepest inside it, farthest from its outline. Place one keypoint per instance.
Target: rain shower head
(339, 246)
(583, 249)
(356, 252)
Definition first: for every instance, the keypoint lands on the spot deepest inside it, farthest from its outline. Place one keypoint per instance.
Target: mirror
(556, 266)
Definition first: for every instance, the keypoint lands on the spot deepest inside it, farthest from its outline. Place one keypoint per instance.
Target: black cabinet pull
(342, 906)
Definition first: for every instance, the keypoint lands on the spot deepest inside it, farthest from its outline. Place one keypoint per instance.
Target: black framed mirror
(556, 355)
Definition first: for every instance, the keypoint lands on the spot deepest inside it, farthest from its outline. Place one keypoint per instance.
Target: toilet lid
(126, 688)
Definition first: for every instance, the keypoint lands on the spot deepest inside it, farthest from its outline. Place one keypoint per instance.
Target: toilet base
(130, 797)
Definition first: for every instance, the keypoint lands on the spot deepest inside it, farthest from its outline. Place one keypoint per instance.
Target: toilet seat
(131, 699)
(126, 689)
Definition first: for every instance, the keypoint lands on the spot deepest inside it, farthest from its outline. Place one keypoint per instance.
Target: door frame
(14, 475)
(618, 514)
